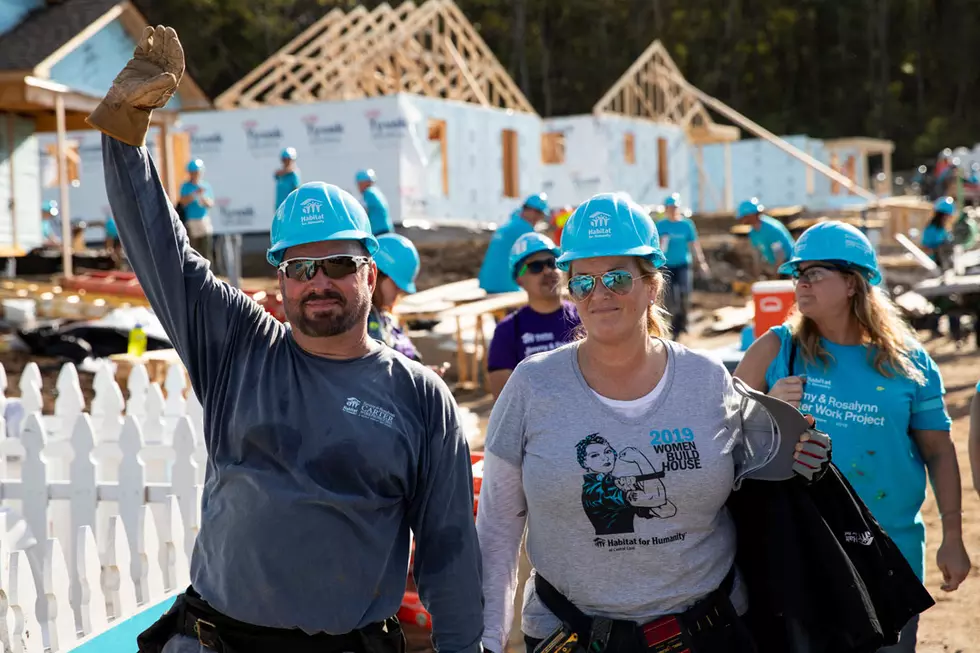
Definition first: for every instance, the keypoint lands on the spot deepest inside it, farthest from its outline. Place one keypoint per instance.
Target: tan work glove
(147, 82)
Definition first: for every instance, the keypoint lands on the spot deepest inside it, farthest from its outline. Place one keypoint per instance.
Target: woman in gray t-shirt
(615, 453)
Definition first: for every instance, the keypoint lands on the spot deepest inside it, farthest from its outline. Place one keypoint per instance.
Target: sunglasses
(337, 266)
(817, 273)
(618, 281)
(537, 267)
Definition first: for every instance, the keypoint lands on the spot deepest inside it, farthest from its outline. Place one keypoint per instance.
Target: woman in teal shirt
(848, 359)
(937, 240)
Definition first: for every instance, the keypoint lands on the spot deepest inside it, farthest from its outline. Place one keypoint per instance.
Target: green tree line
(907, 70)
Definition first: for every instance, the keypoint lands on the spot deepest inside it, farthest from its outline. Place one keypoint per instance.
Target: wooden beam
(43, 69)
(63, 189)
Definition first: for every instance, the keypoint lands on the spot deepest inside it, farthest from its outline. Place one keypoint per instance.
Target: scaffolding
(430, 50)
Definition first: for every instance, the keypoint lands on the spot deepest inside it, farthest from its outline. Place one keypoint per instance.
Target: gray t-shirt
(626, 517)
(317, 469)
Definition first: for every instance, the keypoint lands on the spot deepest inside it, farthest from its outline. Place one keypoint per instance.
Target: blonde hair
(657, 317)
(890, 337)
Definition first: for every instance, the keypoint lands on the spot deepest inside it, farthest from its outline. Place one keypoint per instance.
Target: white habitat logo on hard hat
(311, 211)
(599, 225)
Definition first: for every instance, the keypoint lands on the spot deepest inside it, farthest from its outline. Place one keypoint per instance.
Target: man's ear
(372, 269)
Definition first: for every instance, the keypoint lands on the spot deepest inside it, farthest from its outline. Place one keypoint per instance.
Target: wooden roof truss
(431, 50)
(654, 88)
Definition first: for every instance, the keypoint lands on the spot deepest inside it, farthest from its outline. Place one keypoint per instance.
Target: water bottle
(137, 341)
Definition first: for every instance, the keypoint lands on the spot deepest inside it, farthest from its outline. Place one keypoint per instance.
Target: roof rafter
(430, 50)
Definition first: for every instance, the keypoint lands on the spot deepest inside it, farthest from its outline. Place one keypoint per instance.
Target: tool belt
(678, 633)
(193, 617)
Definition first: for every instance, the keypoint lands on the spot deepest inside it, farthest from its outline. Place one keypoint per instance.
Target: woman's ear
(654, 284)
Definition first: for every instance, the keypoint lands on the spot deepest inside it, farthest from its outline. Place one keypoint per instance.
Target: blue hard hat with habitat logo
(945, 205)
(748, 207)
(672, 200)
(288, 153)
(398, 259)
(315, 212)
(537, 202)
(365, 175)
(528, 245)
(835, 242)
(195, 165)
(609, 224)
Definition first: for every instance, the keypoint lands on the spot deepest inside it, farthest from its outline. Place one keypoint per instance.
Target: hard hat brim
(274, 255)
(648, 252)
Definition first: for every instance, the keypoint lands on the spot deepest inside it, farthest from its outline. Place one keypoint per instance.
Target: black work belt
(192, 616)
(672, 633)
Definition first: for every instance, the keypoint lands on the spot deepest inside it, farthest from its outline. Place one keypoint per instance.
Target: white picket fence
(128, 469)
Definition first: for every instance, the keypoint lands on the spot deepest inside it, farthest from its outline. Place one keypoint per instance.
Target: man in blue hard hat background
(375, 202)
(495, 274)
(196, 197)
(326, 450)
(770, 238)
(287, 177)
(50, 224)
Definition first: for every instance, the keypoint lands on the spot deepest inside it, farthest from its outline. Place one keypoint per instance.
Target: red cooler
(773, 302)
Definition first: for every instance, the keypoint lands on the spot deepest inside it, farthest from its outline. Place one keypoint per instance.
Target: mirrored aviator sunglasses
(618, 281)
(337, 266)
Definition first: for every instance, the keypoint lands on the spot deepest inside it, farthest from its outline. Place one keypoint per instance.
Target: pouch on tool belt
(768, 430)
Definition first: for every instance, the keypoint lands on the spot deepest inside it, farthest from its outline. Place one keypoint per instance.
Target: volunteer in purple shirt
(546, 323)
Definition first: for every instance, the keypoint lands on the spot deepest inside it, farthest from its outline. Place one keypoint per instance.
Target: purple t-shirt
(525, 332)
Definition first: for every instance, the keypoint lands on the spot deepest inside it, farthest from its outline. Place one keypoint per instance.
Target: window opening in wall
(510, 162)
(438, 157)
(552, 148)
(662, 176)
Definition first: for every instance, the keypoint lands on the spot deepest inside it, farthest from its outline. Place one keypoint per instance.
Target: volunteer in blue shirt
(287, 177)
(769, 237)
(327, 451)
(197, 198)
(937, 239)
(848, 359)
(546, 323)
(679, 240)
(495, 274)
(375, 202)
(398, 267)
(112, 244)
(50, 224)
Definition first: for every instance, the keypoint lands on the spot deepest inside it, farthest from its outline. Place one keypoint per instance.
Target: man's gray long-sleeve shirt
(317, 469)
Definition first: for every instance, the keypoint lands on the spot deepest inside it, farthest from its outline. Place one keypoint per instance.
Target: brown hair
(884, 329)
(658, 319)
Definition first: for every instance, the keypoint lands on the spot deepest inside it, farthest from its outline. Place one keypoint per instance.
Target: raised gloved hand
(813, 452)
(147, 82)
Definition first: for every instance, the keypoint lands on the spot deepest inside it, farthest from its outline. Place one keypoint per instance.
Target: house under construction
(412, 92)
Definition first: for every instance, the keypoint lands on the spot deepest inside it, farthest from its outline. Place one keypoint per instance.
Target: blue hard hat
(672, 200)
(527, 245)
(365, 175)
(609, 224)
(195, 165)
(398, 258)
(748, 207)
(288, 153)
(316, 212)
(839, 242)
(50, 207)
(945, 205)
(537, 202)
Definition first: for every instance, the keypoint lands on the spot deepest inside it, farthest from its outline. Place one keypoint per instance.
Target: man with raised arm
(325, 448)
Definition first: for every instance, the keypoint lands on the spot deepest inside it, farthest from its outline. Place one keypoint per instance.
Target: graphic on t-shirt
(620, 486)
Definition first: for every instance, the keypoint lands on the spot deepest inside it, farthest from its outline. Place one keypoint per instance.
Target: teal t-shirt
(772, 237)
(195, 210)
(110, 229)
(869, 418)
(934, 236)
(495, 275)
(679, 235)
(286, 184)
(377, 210)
